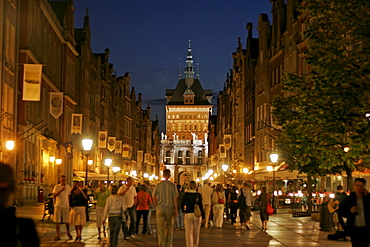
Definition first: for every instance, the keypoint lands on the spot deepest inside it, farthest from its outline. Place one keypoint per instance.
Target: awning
(95, 176)
(280, 175)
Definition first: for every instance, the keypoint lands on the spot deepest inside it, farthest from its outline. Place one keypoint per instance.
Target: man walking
(61, 193)
(165, 199)
(206, 192)
(245, 206)
(356, 208)
(129, 194)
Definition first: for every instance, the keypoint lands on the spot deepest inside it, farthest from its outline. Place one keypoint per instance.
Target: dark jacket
(189, 201)
(345, 209)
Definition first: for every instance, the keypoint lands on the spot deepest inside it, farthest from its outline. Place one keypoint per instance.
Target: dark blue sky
(149, 39)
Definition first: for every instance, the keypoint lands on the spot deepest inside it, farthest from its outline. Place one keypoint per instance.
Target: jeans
(144, 213)
(114, 227)
(180, 220)
(132, 214)
(149, 226)
(165, 220)
(192, 229)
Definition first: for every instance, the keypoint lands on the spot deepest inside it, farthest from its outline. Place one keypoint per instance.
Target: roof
(176, 96)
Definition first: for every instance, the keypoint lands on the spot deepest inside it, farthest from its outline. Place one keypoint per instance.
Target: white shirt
(360, 217)
(248, 196)
(206, 192)
(129, 196)
(115, 205)
(62, 201)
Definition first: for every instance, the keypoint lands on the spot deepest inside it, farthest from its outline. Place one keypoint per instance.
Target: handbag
(220, 200)
(269, 209)
(197, 211)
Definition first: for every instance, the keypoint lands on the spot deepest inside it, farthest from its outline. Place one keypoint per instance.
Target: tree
(325, 109)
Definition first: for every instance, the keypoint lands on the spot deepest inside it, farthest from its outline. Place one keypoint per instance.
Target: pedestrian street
(283, 230)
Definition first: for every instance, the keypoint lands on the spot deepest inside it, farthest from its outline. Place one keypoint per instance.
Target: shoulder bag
(220, 200)
(197, 211)
(269, 208)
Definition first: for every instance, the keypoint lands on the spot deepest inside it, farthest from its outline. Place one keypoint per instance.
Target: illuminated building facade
(184, 147)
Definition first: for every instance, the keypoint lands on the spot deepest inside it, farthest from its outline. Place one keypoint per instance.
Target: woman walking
(264, 198)
(77, 215)
(192, 221)
(143, 202)
(101, 194)
(114, 207)
(218, 202)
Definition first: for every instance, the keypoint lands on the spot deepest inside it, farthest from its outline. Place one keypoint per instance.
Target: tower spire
(189, 70)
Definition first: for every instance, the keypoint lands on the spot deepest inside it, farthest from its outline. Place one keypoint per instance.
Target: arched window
(179, 157)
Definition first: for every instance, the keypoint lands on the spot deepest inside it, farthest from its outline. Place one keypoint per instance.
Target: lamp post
(108, 163)
(87, 145)
(224, 168)
(274, 158)
(245, 171)
(115, 170)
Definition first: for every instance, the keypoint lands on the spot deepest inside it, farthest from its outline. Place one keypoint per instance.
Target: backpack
(242, 200)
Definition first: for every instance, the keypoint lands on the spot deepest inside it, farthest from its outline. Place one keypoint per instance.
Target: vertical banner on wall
(140, 156)
(111, 143)
(56, 104)
(103, 136)
(125, 150)
(32, 82)
(76, 126)
(118, 148)
(227, 141)
(222, 151)
(147, 158)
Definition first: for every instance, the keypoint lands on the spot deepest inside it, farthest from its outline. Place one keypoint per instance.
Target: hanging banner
(118, 148)
(227, 141)
(125, 150)
(111, 143)
(32, 82)
(76, 126)
(103, 135)
(222, 151)
(56, 104)
(139, 156)
(146, 158)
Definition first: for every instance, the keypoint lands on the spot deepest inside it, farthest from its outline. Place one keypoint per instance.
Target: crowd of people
(177, 207)
(190, 206)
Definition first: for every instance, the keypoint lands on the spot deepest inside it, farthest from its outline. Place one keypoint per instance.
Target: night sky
(149, 39)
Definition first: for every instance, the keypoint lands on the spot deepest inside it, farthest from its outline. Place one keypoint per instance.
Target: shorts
(61, 215)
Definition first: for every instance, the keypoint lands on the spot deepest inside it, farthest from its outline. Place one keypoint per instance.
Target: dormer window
(189, 99)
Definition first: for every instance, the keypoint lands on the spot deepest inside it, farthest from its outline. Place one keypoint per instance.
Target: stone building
(54, 92)
(244, 105)
(184, 147)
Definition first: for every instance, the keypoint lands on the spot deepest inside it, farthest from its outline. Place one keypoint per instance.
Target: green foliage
(324, 111)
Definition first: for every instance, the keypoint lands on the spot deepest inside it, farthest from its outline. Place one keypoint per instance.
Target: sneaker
(132, 236)
(127, 238)
(248, 227)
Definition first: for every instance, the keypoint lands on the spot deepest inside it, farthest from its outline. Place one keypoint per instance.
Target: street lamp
(224, 168)
(274, 159)
(108, 163)
(87, 145)
(245, 171)
(115, 170)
